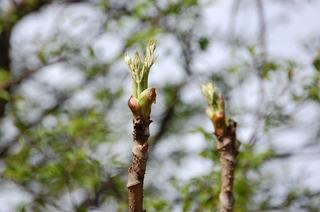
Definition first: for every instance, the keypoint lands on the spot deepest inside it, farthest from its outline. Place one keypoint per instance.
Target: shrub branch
(140, 104)
(227, 144)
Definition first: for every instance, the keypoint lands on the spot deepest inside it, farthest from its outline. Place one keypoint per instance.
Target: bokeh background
(66, 128)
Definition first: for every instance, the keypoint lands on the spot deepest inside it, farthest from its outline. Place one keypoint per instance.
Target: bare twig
(139, 161)
(227, 144)
(140, 105)
(228, 151)
(262, 24)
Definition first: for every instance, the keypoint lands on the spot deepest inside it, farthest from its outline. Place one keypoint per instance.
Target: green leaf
(186, 205)
(4, 95)
(203, 43)
(5, 77)
(42, 57)
(91, 52)
(316, 62)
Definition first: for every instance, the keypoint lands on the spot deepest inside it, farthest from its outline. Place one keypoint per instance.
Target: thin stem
(228, 151)
(140, 106)
(262, 24)
(145, 81)
(227, 144)
(135, 89)
(139, 161)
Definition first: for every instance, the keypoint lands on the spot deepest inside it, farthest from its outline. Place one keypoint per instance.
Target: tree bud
(146, 99)
(134, 106)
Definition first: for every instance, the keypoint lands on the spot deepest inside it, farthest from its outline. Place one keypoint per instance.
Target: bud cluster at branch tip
(142, 97)
(215, 110)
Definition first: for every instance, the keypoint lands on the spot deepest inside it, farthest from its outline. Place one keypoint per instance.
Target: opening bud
(134, 106)
(146, 99)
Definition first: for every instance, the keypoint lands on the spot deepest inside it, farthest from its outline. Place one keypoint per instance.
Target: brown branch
(227, 144)
(228, 151)
(140, 104)
(233, 18)
(262, 24)
(139, 161)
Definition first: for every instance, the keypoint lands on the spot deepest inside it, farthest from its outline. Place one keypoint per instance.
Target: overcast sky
(287, 28)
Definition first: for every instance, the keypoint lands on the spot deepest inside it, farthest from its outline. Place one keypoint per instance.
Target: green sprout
(215, 110)
(142, 97)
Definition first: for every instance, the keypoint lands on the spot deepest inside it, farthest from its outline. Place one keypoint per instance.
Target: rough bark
(139, 161)
(228, 150)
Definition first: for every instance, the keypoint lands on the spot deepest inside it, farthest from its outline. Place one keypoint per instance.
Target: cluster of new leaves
(65, 138)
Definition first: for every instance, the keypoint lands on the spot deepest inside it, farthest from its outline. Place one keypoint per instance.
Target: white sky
(287, 27)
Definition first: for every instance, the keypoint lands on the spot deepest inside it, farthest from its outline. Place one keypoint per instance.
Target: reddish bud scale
(142, 105)
(134, 106)
(219, 121)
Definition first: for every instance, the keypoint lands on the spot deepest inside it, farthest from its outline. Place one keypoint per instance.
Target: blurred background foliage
(66, 129)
